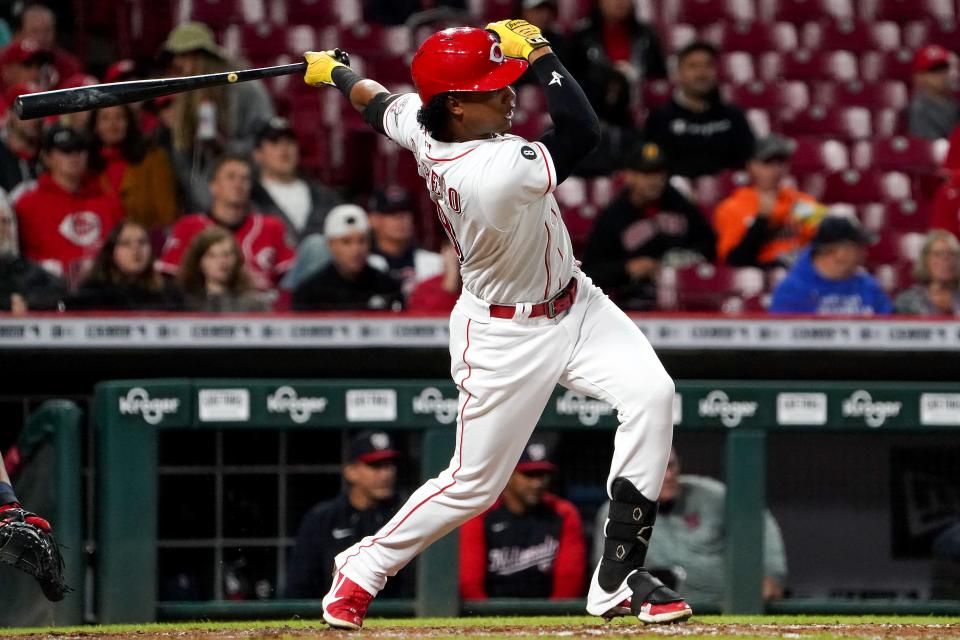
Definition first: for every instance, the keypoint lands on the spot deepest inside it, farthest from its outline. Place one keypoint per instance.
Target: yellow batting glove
(320, 66)
(518, 38)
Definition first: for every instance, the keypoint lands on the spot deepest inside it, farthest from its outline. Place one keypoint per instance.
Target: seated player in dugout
(527, 319)
(368, 499)
(530, 542)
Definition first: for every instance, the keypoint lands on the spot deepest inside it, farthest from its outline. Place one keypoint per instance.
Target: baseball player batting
(527, 318)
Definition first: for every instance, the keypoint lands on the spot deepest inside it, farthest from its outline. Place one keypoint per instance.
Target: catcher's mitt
(27, 544)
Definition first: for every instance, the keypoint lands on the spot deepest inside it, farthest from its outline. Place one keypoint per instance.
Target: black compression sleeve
(345, 78)
(373, 112)
(576, 128)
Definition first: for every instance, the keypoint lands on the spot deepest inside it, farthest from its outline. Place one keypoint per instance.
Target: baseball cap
(193, 36)
(840, 229)
(537, 455)
(63, 138)
(275, 129)
(930, 57)
(372, 446)
(22, 51)
(773, 147)
(345, 219)
(647, 158)
(391, 200)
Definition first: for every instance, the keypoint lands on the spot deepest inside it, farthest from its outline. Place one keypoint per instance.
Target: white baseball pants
(506, 371)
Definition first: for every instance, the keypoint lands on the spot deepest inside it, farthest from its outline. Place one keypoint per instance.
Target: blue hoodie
(804, 290)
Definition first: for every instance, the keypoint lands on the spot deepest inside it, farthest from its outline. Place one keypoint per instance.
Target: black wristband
(345, 77)
(6, 494)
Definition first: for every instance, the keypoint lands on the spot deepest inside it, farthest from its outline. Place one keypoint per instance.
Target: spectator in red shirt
(266, 251)
(65, 216)
(946, 205)
(39, 24)
(441, 292)
(530, 542)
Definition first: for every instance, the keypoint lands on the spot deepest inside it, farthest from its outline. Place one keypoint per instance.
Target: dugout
(833, 460)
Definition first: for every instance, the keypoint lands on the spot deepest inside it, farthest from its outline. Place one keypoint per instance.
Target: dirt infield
(739, 631)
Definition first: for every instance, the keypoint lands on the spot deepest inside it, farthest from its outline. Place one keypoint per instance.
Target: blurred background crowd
(783, 156)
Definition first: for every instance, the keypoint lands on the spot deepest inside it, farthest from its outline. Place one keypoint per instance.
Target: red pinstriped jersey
(494, 198)
(262, 241)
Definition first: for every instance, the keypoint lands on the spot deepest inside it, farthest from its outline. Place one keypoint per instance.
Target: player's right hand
(518, 38)
(320, 66)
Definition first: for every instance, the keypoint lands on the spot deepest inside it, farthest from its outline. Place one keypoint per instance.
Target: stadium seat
(314, 12)
(775, 96)
(752, 37)
(890, 94)
(707, 287)
(901, 153)
(853, 35)
(851, 123)
(814, 154)
(601, 191)
(215, 13)
(807, 65)
(887, 65)
(945, 33)
(492, 10)
(679, 36)
(709, 191)
(736, 67)
(655, 93)
(801, 11)
(760, 122)
(862, 187)
(903, 10)
(263, 41)
(368, 39)
(703, 12)
(888, 123)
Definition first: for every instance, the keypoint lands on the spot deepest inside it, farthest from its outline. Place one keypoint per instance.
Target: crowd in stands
(756, 156)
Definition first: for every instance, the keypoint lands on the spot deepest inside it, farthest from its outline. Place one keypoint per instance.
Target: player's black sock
(627, 534)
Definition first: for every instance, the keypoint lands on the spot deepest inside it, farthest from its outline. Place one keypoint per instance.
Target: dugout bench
(128, 414)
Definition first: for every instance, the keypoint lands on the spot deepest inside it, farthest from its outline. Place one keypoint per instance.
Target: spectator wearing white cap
(348, 282)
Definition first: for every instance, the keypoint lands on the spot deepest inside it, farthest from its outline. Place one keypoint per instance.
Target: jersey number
(445, 223)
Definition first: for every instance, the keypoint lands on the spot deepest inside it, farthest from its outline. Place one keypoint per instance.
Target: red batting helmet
(462, 59)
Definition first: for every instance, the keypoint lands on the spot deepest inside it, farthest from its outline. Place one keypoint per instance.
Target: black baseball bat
(97, 96)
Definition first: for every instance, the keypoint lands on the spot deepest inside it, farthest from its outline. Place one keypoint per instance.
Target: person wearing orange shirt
(767, 223)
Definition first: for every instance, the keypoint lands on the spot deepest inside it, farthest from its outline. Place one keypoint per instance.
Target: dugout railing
(129, 413)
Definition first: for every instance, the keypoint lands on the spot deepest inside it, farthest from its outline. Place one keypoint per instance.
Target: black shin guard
(625, 548)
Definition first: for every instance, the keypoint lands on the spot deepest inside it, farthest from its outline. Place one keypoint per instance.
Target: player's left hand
(27, 544)
(320, 66)
(518, 38)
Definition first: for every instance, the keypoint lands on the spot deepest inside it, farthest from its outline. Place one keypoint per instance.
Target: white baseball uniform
(495, 200)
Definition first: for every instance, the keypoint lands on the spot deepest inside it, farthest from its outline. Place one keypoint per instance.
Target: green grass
(539, 626)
